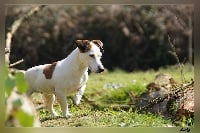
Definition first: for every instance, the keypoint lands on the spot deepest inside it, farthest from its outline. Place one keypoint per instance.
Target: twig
(120, 107)
(173, 52)
(16, 25)
(18, 62)
(132, 97)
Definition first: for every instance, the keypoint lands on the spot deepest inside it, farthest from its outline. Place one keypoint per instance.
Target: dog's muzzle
(100, 69)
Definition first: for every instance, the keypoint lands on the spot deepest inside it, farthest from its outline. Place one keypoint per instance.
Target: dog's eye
(91, 55)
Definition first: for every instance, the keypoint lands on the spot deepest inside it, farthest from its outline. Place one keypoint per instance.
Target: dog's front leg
(63, 103)
(79, 94)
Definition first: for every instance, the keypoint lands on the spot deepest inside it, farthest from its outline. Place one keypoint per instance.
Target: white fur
(70, 75)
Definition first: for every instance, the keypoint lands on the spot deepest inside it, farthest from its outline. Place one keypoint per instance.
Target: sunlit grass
(85, 116)
(132, 81)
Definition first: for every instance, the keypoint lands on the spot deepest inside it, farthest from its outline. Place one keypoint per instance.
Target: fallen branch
(176, 93)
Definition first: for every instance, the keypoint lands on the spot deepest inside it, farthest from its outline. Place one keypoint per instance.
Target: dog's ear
(83, 45)
(99, 44)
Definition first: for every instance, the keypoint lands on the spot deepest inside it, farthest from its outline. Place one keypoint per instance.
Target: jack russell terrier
(66, 76)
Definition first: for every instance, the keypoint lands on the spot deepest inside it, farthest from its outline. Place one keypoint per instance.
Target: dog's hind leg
(49, 100)
(63, 103)
(79, 94)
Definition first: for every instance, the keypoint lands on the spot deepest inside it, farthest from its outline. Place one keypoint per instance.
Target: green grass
(99, 91)
(87, 117)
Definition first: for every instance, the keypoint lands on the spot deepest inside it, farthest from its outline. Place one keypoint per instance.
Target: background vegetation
(134, 36)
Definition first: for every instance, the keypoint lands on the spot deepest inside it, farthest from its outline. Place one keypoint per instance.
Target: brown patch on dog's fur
(48, 70)
(83, 45)
(99, 44)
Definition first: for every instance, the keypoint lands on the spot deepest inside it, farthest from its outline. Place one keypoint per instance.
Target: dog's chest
(76, 83)
(73, 83)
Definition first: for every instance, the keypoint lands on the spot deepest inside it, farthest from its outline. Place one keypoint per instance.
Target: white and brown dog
(66, 76)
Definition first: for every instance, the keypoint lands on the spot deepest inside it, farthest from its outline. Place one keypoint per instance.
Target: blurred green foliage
(21, 83)
(25, 119)
(16, 83)
(17, 80)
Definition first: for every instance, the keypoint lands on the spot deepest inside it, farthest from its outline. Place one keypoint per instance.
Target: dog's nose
(101, 69)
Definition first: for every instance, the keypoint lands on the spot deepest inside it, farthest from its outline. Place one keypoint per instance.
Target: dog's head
(90, 53)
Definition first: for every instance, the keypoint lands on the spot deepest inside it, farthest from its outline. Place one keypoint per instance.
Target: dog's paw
(76, 101)
(55, 114)
(67, 115)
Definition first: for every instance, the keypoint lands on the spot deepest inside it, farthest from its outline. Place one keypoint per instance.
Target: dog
(66, 76)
